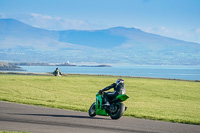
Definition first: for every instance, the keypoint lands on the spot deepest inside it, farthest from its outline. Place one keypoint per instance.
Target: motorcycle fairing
(98, 106)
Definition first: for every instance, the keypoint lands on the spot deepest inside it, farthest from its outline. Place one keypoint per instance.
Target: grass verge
(158, 99)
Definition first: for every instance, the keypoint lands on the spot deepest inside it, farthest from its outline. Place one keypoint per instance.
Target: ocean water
(170, 72)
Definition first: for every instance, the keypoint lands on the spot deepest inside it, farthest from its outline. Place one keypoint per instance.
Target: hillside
(24, 43)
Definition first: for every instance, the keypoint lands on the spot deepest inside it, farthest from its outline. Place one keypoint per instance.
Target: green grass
(167, 100)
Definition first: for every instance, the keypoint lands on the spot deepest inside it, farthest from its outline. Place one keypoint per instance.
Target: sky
(179, 19)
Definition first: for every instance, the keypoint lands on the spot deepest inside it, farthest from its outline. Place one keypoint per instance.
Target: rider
(119, 88)
(57, 72)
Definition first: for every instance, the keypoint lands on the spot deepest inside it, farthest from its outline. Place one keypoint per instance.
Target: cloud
(158, 30)
(57, 23)
(197, 35)
(198, 30)
(186, 35)
(53, 22)
(35, 15)
(162, 30)
(2, 15)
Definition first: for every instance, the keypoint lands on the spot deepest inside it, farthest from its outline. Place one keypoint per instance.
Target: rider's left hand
(100, 92)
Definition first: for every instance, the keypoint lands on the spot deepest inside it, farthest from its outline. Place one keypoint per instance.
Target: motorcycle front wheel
(92, 111)
(119, 111)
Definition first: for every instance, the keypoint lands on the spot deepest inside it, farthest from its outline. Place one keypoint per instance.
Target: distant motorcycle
(115, 110)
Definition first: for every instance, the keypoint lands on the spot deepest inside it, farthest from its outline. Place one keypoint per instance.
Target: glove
(100, 92)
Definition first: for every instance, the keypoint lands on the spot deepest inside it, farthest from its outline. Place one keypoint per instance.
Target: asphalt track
(34, 119)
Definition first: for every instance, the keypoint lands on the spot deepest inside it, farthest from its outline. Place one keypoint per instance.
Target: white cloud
(198, 30)
(56, 23)
(161, 30)
(52, 22)
(2, 15)
(186, 35)
(197, 35)
(35, 15)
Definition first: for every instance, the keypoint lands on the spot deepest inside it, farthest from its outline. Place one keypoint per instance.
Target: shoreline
(66, 74)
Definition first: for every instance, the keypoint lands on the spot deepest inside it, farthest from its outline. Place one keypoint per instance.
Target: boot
(106, 104)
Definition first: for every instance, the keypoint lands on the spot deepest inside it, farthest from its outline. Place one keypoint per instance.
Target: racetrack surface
(34, 119)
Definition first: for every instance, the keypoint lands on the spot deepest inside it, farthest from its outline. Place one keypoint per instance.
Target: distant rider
(119, 88)
(57, 72)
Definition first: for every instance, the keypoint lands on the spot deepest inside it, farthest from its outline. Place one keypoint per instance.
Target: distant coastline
(95, 66)
(169, 72)
(9, 67)
(4, 66)
(40, 64)
(56, 64)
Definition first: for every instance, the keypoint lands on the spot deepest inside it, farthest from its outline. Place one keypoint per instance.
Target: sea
(168, 72)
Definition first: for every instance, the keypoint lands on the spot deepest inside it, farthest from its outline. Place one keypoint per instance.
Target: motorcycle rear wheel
(92, 111)
(119, 112)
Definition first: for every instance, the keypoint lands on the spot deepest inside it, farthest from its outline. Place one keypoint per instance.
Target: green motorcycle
(115, 110)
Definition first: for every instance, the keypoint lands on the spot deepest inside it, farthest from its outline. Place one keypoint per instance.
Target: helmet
(120, 81)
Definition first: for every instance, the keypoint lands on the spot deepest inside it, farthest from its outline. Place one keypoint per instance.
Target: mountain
(24, 43)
